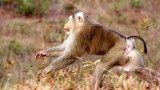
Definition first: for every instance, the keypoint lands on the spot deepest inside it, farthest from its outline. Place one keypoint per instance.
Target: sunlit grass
(21, 38)
(78, 78)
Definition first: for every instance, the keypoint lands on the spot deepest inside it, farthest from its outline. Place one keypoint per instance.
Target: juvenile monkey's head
(131, 43)
(77, 21)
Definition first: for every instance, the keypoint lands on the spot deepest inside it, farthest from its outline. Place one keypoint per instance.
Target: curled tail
(140, 38)
(128, 37)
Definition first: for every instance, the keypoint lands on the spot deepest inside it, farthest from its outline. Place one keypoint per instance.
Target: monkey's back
(101, 40)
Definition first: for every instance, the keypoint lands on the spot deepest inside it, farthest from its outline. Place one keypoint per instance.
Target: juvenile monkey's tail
(140, 38)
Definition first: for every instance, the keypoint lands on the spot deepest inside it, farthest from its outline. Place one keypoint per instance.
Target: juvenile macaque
(135, 59)
(87, 36)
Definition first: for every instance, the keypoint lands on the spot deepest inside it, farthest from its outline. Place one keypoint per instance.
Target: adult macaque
(88, 36)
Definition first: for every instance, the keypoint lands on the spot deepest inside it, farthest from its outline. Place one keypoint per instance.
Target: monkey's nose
(66, 29)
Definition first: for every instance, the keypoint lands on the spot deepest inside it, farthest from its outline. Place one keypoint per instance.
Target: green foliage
(119, 19)
(29, 49)
(111, 6)
(18, 27)
(15, 47)
(121, 5)
(2, 50)
(21, 27)
(122, 20)
(144, 25)
(32, 7)
(155, 21)
(28, 7)
(100, 17)
(136, 4)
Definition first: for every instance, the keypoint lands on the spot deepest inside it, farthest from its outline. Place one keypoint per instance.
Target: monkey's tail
(121, 35)
(128, 37)
(140, 38)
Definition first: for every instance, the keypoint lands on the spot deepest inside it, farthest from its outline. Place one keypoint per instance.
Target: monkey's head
(131, 43)
(76, 22)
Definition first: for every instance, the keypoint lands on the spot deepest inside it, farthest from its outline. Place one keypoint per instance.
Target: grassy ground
(21, 37)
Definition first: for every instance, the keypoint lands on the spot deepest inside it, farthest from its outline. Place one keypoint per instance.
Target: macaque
(135, 59)
(86, 36)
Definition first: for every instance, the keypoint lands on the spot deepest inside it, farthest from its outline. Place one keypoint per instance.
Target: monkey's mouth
(66, 30)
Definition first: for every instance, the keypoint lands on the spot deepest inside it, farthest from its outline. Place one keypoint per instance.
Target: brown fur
(92, 38)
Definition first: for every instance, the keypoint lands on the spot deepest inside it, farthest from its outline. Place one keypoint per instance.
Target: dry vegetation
(22, 36)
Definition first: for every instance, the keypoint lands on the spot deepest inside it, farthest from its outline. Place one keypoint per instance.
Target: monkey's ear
(80, 19)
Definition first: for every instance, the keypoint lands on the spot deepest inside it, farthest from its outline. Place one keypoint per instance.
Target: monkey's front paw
(41, 54)
(47, 70)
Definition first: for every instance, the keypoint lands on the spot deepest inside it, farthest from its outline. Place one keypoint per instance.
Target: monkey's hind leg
(97, 76)
(109, 60)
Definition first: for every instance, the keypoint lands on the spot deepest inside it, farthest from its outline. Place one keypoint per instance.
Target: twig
(10, 75)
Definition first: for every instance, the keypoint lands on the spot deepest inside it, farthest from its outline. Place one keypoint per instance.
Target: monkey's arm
(45, 53)
(55, 48)
(60, 47)
(61, 62)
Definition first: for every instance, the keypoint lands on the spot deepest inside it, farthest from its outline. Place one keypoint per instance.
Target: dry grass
(21, 37)
(79, 80)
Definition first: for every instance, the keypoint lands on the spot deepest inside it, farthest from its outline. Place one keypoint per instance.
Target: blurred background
(27, 26)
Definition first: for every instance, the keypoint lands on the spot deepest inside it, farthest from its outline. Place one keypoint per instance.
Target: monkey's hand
(41, 54)
(47, 70)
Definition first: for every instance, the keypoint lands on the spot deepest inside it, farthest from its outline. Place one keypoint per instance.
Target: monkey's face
(74, 21)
